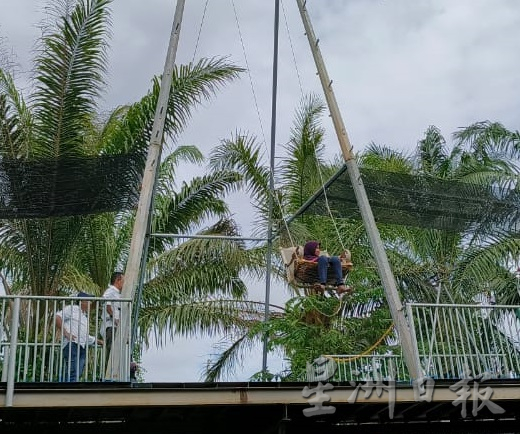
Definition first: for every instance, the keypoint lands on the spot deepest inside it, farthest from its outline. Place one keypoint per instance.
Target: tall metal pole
(147, 191)
(268, 255)
(385, 272)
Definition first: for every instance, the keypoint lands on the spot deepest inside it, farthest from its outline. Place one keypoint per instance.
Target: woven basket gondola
(305, 273)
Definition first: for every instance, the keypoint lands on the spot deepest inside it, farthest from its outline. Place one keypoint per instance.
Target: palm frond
(489, 138)
(191, 86)
(383, 158)
(302, 171)
(70, 69)
(204, 266)
(242, 154)
(432, 156)
(195, 202)
(231, 358)
(178, 315)
(15, 119)
(167, 175)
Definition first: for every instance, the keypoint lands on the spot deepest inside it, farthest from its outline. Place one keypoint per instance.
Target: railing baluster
(15, 312)
(37, 355)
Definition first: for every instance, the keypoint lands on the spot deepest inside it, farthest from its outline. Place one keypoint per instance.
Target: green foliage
(429, 265)
(58, 255)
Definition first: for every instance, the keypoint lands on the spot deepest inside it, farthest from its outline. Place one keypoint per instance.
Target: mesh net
(419, 201)
(69, 186)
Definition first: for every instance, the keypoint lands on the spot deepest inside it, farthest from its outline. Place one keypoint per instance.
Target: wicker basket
(306, 272)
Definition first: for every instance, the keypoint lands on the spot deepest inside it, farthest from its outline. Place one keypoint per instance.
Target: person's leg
(70, 361)
(109, 336)
(66, 353)
(82, 358)
(335, 263)
(323, 264)
(133, 371)
(110, 333)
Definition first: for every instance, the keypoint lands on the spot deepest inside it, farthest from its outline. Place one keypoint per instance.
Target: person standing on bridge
(72, 323)
(112, 313)
(112, 309)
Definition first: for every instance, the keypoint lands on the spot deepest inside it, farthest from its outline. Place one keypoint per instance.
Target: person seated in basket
(311, 252)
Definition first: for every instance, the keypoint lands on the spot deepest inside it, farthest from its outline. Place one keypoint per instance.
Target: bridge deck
(259, 407)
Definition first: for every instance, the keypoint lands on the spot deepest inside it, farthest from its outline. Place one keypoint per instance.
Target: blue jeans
(74, 357)
(323, 265)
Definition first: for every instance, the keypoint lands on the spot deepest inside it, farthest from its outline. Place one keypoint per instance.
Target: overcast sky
(397, 67)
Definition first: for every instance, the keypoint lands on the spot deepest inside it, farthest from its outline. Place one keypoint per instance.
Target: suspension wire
(292, 48)
(280, 206)
(322, 182)
(248, 71)
(200, 31)
(327, 204)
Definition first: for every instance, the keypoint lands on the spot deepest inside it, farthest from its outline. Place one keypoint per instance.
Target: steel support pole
(383, 265)
(268, 255)
(153, 161)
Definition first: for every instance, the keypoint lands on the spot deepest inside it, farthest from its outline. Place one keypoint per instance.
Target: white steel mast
(141, 224)
(383, 265)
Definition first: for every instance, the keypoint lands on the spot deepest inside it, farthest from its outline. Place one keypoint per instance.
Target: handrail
(35, 349)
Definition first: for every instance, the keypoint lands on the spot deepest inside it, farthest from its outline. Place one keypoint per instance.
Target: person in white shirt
(73, 326)
(112, 309)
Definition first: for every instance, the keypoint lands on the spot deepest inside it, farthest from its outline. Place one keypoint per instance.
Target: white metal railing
(355, 368)
(461, 340)
(451, 341)
(33, 348)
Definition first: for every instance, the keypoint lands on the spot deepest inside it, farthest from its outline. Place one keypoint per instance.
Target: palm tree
(498, 148)
(461, 262)
(46, 256)
(307, 326)
(190, 287)
(428, 263)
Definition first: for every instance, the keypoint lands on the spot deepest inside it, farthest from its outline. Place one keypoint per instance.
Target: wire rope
(248, 69)
(244, 51)
(277, 199)
(280, 205)
(322, 181)
(292, 47)
(200, 31)
(327, 205)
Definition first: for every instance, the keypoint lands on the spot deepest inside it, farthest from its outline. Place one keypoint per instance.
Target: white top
(111, 292)
(75, 322)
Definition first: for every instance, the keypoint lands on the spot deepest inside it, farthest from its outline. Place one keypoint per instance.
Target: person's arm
(114, 313)
(62, 331)
(92, 340)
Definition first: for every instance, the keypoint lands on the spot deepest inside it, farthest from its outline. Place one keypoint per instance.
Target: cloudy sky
(397, 67)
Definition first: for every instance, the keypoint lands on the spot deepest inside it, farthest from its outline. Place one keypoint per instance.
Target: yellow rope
(385, 334)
